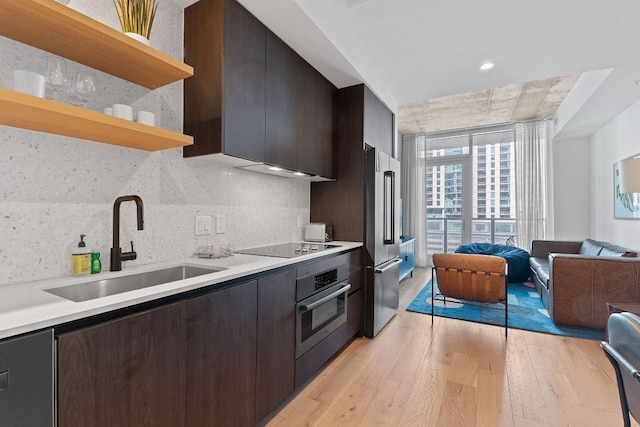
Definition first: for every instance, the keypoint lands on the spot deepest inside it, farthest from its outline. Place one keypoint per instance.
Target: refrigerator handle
(395, 261)
(389, 208)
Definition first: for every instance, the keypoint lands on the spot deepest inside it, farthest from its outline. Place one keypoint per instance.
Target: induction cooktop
(288, 250)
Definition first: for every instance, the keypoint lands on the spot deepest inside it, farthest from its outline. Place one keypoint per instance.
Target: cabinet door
(281, 125)
(276, 341)
(378, 123)
(371, 120)
(222, 357)
(126, 372)
(243, 83)
(316, 97)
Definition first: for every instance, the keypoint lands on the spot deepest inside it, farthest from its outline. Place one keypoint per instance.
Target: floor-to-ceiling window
(470, 188)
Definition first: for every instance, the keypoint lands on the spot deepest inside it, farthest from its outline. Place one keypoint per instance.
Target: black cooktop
(288, 250)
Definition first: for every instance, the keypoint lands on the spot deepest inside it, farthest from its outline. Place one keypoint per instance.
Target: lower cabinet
(276, 341)
(224, 358)
(221, 357)
(127, 372)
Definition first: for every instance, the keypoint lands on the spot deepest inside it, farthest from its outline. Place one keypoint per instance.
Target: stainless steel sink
(102, 288)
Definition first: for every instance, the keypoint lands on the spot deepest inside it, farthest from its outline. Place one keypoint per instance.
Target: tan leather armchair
(470, 277)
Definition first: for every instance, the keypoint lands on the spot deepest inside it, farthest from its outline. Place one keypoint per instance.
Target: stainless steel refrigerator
(382, 236)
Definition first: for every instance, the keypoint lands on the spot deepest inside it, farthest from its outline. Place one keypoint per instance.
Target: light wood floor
(458, 373)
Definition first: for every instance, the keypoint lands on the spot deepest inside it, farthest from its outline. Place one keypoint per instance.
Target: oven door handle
(307, 307)
(388, 265)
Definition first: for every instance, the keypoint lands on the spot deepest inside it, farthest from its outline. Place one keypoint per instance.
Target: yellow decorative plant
(136, 16)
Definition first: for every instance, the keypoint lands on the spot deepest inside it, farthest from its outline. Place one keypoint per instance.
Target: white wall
(572, 188)
(52, 189)
(620, 138)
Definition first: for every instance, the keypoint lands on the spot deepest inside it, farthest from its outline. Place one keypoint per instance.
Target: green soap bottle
(96, 264)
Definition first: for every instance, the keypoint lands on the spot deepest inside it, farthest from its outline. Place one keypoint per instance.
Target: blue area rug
(526, 311)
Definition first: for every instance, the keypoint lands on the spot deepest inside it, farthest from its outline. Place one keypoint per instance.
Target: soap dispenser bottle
(81, 258)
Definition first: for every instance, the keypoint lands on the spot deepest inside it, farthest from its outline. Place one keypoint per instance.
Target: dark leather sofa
(576, 279)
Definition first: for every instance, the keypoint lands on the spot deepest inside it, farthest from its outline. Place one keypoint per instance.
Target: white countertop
(26, 307)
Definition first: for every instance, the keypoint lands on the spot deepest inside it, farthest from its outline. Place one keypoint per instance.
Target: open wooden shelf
(39, 114)
(56, 28)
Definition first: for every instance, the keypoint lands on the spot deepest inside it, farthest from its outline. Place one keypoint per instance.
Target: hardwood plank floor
(458, 373)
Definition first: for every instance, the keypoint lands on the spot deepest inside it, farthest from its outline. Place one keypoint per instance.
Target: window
(465, 159)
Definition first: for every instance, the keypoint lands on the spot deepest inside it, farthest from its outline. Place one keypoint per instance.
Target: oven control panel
(309, 285)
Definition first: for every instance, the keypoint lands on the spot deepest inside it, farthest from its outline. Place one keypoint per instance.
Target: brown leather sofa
(576, 279)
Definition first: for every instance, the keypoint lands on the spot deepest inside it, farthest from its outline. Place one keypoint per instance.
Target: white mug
(108, 111)
(146, 118)
(122, 111)
(29, 82)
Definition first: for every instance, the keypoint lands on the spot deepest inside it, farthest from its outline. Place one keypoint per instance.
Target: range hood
(260, 167)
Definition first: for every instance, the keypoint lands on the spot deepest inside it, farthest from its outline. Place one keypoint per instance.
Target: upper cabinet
(53, 27)
(253, 97)
(378, 123)
(224, 102)
(316, 101)
(281, 103)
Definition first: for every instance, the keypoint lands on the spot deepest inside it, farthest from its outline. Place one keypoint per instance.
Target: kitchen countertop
(26, 307)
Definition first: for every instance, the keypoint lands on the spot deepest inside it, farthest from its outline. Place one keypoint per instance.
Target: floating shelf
(56, 28)
(39, 114)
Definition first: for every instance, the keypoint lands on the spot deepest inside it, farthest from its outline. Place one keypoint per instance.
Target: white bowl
(29, 82)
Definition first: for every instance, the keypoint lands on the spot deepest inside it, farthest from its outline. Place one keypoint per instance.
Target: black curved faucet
(117, 256)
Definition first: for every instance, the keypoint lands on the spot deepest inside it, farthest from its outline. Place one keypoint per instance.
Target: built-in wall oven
(321, 306)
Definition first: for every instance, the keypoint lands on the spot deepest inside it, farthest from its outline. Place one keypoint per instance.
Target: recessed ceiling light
(273, 168)
(486, 66)
(299, 174)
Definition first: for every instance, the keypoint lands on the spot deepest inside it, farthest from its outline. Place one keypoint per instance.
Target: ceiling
(412, 51)
(506, 104)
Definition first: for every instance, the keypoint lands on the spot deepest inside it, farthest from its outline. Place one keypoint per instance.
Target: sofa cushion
(540, 266)
(611, 252)
(590, 248)
(615, 248)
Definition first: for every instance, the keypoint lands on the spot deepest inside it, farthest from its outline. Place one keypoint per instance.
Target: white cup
(29, 82)
(108, 111)
(122, 111)
(146, 118)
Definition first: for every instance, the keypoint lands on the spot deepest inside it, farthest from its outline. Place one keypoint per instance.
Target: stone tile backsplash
(53, 188)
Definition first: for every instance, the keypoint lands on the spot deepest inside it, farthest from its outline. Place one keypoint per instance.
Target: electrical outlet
(203, 225)
(221, 224)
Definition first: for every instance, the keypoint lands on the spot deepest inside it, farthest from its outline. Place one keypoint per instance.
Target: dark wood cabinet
(378, 123)
(126, 372)
(252, 96)
(281, 111)
(221, 357)
(224, 102)
(276, 340)
(341, 203)
(316, 97)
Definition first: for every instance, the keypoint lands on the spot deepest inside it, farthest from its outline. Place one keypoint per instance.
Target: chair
(623, 351)
(479, 278)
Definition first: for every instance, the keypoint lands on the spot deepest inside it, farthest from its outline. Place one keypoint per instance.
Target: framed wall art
(625, 205)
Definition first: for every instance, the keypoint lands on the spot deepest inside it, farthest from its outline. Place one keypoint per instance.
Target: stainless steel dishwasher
(26, 380)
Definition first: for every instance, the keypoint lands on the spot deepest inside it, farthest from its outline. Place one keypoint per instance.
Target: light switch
(221, 224)
(203, 225)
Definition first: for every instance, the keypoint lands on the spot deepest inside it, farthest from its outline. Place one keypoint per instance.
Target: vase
(140, 38)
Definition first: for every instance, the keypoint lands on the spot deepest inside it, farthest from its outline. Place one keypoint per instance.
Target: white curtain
(534, 182)
(413, 194)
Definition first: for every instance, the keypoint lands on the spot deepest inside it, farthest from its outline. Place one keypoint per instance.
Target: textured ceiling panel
(532, 100)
